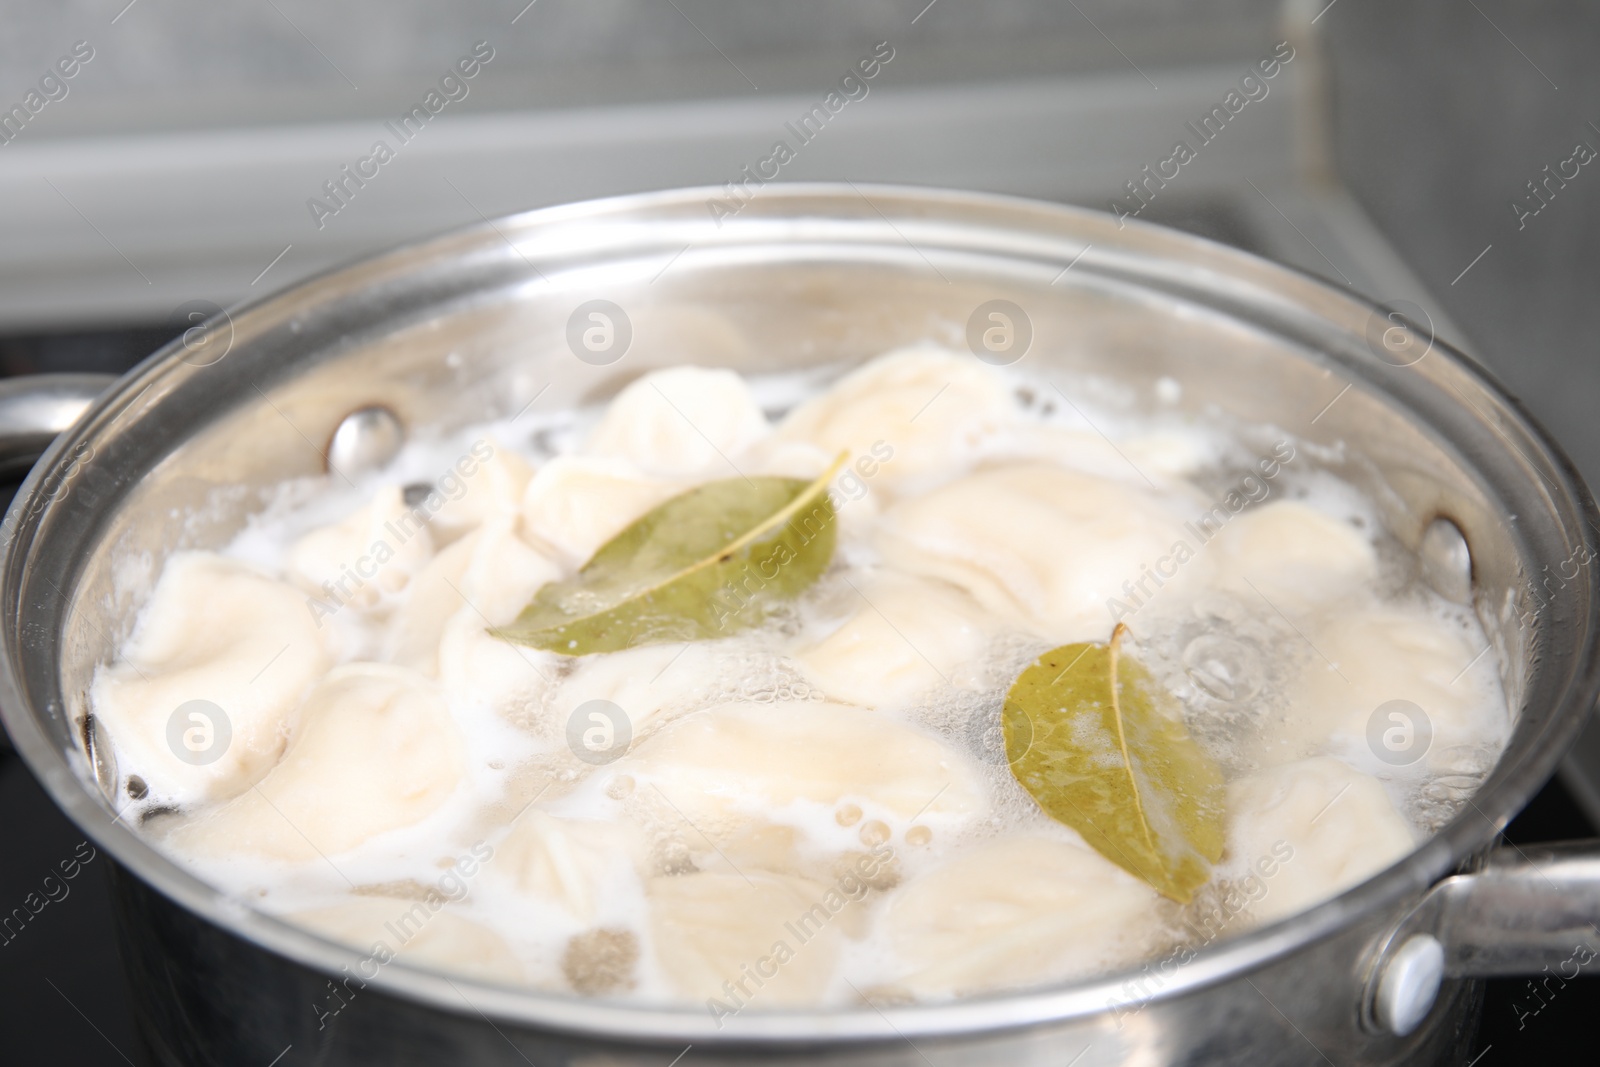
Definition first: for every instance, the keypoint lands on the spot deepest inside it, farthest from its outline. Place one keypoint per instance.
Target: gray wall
(1440, 123)
(199, 62)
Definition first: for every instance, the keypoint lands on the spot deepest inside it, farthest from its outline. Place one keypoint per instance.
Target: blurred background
(1429, 151)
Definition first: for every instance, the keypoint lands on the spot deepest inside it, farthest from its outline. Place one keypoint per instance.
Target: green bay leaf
(1102, 748)
(705, 564)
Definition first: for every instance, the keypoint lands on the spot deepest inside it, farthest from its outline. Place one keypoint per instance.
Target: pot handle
(35, 408)
(1531, 910)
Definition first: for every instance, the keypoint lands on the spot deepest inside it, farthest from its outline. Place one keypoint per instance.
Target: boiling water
(1249, 630)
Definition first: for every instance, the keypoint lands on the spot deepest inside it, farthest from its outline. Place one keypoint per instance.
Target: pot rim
(1491, 808)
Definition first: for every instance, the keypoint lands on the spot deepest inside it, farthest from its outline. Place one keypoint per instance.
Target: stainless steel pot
(478, 323)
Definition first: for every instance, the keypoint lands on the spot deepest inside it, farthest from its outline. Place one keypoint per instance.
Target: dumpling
(1294, 556)
(499, 580)
(1161, 456)
(1337, 823)
(907, 635)
(484, 579)
(416, 933)
(1165, 453)
(376, 750)
(413, 634)
(641, 681)
(789, 459)
(761, 939)
(504, 573)
(476, 667)
(1384, 653)
(575, 504)
(1013, 912)
(928, 407)
(367, 559)
(485, 483)
(570, 862)
(215, 630)
(1049, 547)
(716, 764)
(686, 422)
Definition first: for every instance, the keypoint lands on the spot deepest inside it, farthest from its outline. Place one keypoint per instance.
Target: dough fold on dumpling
(1339, 823)
(366, 560)
(484, 579)
(1041, 544)
(416, 933)
(641, 681)
(1163, 457)
(720, 767)
(570, 862)
(215, 630)
(907, 635)
(503, 573)
(929, 407)
(1293, 555)
(1013, 912)
(485, 483)
(685, 422)
(499, 580)
(575, 504)
(376, 750)
(477, 667)
(413, 633)
(713, 930)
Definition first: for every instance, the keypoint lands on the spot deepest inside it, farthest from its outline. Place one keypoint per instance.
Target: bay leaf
(705, 564)
(1102, 747)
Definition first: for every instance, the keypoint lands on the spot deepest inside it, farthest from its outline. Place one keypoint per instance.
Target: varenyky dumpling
(575, 504)
(930, 406)
(1379, 654)
(711, 765)
(412, 635)
(376, 750)
(762, 939)
(1014, 912)
(685, 422)
(365, 561)
(1161, 456)
(482, 580)
(1338, 824)
(1293, 555)
(1041, 544)
(569, 862)
(486, 482)
(217, 631)
(641, 681)
(906, 635)
(502, 574)
(412, 931)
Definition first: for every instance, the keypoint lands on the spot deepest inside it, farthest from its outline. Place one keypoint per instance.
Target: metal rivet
(1409, 985)
(1446, 561)
(366, 440)
(101, 758)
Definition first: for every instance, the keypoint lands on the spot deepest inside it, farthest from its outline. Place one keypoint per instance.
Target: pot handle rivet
(1447, 561)
(366, 439)
(1409, 985)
